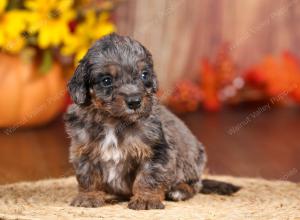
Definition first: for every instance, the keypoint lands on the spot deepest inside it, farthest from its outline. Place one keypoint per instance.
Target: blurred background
(229, 68)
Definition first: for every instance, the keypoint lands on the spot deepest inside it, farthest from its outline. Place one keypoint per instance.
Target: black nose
(133, 102)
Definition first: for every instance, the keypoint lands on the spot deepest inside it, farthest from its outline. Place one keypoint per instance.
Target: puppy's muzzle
(133, 101)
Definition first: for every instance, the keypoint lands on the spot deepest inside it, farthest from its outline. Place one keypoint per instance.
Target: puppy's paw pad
(145, 204)
(87, 201)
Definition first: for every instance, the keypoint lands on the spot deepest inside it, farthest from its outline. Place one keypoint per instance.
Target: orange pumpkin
(28, 98)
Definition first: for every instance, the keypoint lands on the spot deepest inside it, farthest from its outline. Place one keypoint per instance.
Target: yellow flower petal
(93, 27)
(103, 17)
(103, 29)
(65, 4)
(14, 45)
(43, 38)
(15, 22)
(1, 38)
(51, 29)
(3, 4)
(31, 4)
(80, 54)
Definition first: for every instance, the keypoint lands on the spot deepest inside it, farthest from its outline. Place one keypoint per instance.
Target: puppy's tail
(218, 187)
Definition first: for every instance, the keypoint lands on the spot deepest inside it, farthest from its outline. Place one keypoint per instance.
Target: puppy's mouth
(121, 108)
(135, 111)
(131, 111)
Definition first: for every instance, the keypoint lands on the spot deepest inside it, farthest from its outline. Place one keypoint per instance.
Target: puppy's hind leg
(182, 191)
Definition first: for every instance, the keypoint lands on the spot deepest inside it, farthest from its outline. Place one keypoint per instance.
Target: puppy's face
(116, 76)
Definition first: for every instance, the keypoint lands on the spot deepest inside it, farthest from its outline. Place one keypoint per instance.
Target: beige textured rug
(258, 199)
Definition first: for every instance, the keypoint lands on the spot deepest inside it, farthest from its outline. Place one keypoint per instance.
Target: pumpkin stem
(12, 4)
(47, 61)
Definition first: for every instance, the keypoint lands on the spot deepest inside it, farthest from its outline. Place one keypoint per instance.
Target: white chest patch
(109, 147)
(112, 174)
(82, 135)
(115, 179)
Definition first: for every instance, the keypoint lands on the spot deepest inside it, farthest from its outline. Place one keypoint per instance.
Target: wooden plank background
(180, 32)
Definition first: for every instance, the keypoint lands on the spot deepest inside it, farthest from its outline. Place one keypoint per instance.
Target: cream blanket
(258, 199)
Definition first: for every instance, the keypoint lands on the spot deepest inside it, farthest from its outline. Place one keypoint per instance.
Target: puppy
(123, 142)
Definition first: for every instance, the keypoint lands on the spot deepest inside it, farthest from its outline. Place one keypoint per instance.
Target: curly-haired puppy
(123, 142)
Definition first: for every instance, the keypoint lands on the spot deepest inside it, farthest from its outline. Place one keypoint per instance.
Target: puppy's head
(116, 76)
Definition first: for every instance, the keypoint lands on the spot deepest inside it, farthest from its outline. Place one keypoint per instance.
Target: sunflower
(12, 25)
(3, 4)
(93, 27)
(50, 20)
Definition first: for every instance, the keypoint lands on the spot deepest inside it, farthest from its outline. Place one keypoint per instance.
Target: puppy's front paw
(88, 200)
(142, 203)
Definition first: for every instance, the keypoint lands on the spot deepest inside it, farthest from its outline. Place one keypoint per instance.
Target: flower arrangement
(214, 80)
(274, 78)
(40, 41)
(53, 28)
(185, 97)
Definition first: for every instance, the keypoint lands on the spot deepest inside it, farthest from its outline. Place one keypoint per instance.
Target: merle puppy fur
(123, 142)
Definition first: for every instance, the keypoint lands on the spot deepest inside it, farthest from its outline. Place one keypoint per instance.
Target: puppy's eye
(145, 75)
(106, 81)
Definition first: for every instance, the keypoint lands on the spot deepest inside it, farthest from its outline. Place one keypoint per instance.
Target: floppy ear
(150, 60)
(78, 85)
(155, 84)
